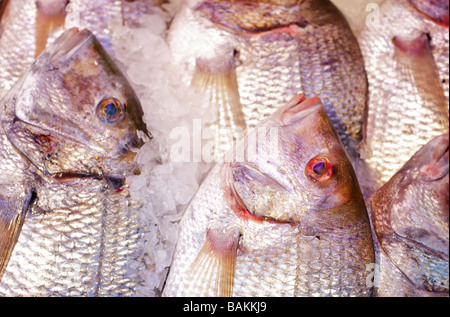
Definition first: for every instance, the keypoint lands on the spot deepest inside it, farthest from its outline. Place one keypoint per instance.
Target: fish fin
(217, 76)
(50, 16)
(215, 263)
(12, 217)
(3, 13)
(415, 58)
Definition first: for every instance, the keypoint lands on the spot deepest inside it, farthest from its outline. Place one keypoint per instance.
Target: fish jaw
(53, 112)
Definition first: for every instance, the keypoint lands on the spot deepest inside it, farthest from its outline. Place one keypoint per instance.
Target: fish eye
(110, 110)
(319, 169)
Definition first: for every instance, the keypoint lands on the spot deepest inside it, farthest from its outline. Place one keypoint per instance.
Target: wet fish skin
(270, 50)
(406, 58)
(26, 27)
(70, 129)
(264, 226)
(410, 219)
(29, 25)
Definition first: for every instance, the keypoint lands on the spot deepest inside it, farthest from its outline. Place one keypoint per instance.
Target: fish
(406, 59)
(410, 220)
(251, 57)
(71, 126)
(281, 215)
(26, 26)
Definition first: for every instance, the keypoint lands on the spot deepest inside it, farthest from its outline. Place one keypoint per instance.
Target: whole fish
(281, 215)
(406, 56)
(70, 129)
(25, 28)
(251, 57)
(410, 216)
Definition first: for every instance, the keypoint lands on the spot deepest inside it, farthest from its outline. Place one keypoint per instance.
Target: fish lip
(298, 108)
(68, 44)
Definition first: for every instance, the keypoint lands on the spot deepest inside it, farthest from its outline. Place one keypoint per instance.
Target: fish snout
(438, 167)
(298, 107)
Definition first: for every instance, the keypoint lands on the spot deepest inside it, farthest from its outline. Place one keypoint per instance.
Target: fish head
(415, 202)
(300, 172)
(74, 112)
(410, 217)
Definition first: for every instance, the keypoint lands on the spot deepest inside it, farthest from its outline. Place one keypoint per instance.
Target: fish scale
(65, 228)
(404, 111)
(87, 228)
(14, 59)
(278, 52)
(281, 236)
(282, 70)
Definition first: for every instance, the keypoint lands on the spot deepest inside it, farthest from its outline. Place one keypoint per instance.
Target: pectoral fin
(50, 16)
(217, 76)
(415, 58)
(214, 267)
(13, 211)
(3, 5)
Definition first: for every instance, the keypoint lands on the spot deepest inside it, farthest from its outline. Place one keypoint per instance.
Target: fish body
(251, 57)
(406, 58)
(410, 215)
(69, 133)
(284, 217)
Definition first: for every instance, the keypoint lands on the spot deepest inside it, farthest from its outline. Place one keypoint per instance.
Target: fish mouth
(298, 108)
(117, 183)
(438, 167)
(68, 44)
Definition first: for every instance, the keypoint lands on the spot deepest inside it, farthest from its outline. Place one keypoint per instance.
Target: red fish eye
(319, 169)
(111, 110)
